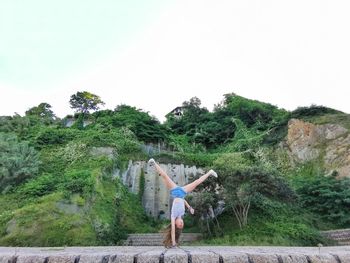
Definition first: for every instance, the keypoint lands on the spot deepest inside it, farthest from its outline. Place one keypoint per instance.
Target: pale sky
(156, 54)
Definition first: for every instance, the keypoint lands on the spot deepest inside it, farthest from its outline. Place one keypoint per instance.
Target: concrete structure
(177, 112)
(156, 198)
(184, 254)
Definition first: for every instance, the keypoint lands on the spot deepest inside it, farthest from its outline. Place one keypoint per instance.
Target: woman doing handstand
(178, 206)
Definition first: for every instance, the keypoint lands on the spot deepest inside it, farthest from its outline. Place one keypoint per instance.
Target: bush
(254, 114)
(39, 186)
(327, 197)
(145, 127)
(313, 110)
(182, 144)
(71, 152)
(123, 139)
(18, 161)
(53, 136)
(78, 181)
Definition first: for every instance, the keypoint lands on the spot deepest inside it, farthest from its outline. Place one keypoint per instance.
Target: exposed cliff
(329, 143)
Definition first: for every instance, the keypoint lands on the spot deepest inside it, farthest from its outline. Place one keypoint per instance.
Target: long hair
(167, 235)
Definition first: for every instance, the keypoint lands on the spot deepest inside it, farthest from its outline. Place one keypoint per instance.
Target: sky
(156, 54)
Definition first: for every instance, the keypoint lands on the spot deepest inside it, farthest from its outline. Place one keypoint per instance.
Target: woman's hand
(191, 210)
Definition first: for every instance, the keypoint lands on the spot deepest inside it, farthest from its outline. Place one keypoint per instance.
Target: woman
(178, 207)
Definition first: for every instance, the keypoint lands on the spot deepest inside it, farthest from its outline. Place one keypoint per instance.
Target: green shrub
(122, 139)
(54, 136)
(39, 186)
(326, 196)
(78, 181)
(72, 152)
(146, 128)
(18, 161)
(313, 110)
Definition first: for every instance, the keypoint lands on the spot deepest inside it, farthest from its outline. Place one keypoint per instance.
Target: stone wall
(183, 254)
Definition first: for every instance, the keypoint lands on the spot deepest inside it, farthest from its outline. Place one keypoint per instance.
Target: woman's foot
(213, 173)
(151, 162)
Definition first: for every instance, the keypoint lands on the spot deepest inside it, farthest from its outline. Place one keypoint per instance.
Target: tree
(83, 102)
(243, 182)
(43, 111)
(18, 161)
(190, 123)
(242, 187)
(254, 114)
(204, 202)
(147, 128)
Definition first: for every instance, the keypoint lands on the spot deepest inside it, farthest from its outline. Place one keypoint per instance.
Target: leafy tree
(83, 102)
(244, 182)
(147, 128)
(203, 202)
(242, 187)
(253, 113)
(216, 128)
(43, 111)
(17, 124)
(190, 123)
(18, 161)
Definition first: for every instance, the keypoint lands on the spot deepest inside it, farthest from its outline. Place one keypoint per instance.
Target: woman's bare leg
(167, 180)
(190, 187)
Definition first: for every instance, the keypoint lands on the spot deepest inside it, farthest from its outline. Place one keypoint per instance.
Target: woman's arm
(173, 231)
(189, 207)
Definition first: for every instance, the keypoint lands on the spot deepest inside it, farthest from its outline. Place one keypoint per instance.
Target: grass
(43, 223)
(31, 216)
(342, 119)
(263, 232)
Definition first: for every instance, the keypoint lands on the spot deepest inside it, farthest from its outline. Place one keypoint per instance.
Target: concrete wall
(156, 198)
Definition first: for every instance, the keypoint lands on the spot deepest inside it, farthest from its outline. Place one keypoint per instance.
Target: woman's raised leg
(168, 182)
(190, 187)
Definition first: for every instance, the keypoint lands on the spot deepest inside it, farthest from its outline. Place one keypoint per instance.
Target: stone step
(156, 239)
(341, 236)
(344, 243)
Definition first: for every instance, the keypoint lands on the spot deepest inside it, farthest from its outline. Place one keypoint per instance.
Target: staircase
(156, 239)
(341, 236)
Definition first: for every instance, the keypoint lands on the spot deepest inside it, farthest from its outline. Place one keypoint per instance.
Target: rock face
(156, 198)
(330, 142)
(103, 151)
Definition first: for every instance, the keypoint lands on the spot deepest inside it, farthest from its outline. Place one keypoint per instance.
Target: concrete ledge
(183, 254)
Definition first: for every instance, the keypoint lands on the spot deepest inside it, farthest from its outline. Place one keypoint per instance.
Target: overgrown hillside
(57, 184)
